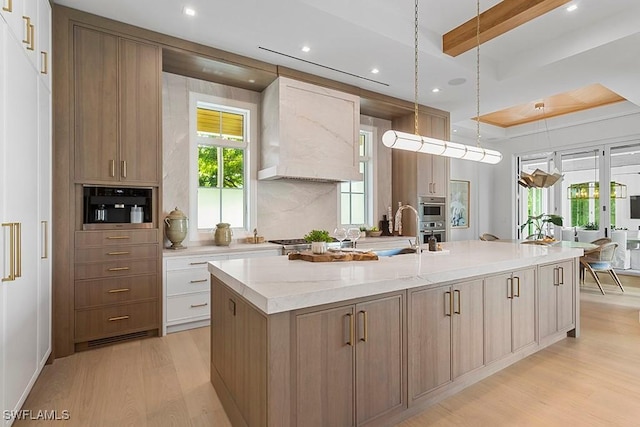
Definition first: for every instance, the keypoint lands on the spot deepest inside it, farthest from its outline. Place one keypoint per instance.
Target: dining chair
(601, 241)
(535, 242)
(489, 237)
(600, 260)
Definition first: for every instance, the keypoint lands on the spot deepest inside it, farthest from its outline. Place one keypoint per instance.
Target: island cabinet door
(467, 322)
(497, 316)
(556, 287)
(380, 371)
(523, 308)
(325, 352)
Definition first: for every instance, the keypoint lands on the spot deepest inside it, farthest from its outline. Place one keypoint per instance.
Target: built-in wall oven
(433, 218)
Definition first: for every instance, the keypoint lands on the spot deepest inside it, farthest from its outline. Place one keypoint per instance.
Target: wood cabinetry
(510, 313)
(116, 285)
(445, 329)
(117, 109)
(556, 285)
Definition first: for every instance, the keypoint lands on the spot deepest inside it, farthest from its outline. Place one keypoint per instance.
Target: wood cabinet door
(429, 339)
(468, 337)
(140, 90)
(548, 297)
(95, 105)
(380, 383)
(325, 343)
(440, 176)
(523, 308)
(566, 290)
(497, 317)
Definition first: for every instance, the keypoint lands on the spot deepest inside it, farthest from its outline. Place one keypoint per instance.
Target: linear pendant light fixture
(424, 144)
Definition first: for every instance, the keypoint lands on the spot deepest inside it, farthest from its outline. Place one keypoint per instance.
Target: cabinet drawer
(115, 237)
(93, 293)
(185, 281)
(120, 252)
(115, 268)
(193, 262)
(116, 320)
(186, 307)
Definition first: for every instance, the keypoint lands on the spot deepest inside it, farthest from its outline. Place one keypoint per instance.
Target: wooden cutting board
(332, 256)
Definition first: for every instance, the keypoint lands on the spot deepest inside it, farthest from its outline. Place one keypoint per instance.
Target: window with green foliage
(222, 144)
(354, 195)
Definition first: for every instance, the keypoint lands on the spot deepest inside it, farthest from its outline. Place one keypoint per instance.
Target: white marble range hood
(309, 132)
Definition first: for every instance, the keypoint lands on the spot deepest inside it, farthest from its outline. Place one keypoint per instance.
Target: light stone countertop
(275, 284)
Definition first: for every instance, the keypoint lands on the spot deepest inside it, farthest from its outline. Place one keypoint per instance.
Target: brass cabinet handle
(351, 330)
(123, 168)
(28, 30)
(32, 36)
(12, 252)
(365, 326)
(232, 306)
(18, 232)
(45, 232)
(119, 253)
(556, 276)
(517, 295)
(8, 7)
(459, 311)
(199, 281)
(113, 319)
(510, 288)
(204, 304)
(112, 168)
(44, 68)
(198, 263)
(561, 271)
(118, 268)
(448, 303)
(117, 291)
(434, 187)
(117, 237)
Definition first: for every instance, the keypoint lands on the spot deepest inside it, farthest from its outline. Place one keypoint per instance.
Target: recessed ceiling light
(572, 8)
(375, 71)
(306, 48)
(457, 81)
(435, 90)
(189, 11)
(252, 81)
(455, 130)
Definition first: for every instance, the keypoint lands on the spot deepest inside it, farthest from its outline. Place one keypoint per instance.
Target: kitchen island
(373, 342)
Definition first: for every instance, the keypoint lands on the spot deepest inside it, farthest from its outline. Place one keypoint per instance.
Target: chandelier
(591, 190)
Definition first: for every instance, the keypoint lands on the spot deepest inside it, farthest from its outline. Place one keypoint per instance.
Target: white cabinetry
(25, 203)
(187, 288)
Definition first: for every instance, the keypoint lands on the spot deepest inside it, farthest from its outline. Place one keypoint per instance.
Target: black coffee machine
(114, 205)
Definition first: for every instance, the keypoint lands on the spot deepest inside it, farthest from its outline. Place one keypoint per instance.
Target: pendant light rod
(423, 144)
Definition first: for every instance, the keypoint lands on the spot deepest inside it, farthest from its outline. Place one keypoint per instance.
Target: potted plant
(539, 222)
(363, 231)
(588, 232)
(319, 240)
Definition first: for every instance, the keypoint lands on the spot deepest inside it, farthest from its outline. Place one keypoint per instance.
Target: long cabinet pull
(510, 288)
(45, 240)
(27, 22)
(561, 274)
(556, 276)
(459, 310)
(117, 237)
(365, 326)
(113, 319)
(8, 7)
(117, 291)
(12, 252)
(517, 294)
(119, 253)
(18, 232)
(118, 268)
(123, 168)
(448, 304)
(32, 37)
(198, 263)
(112, 168)
(199, 281)
(44, 66)
(204, 304)
(352, 332)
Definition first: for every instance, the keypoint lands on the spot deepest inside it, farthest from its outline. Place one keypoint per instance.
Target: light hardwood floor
(591, 381)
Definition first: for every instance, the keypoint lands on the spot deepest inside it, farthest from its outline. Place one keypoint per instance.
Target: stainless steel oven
(432, 209)
(438, 229)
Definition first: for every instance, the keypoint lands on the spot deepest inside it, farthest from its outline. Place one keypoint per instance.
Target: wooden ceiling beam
(503, 17)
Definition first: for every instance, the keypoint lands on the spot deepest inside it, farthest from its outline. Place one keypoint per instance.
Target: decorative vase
(319, 247)
(222, 235)
(176, 225)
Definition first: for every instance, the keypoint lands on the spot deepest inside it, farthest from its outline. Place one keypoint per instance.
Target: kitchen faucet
(398, 225)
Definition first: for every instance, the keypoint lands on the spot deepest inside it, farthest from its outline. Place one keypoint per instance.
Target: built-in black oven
(121, 207)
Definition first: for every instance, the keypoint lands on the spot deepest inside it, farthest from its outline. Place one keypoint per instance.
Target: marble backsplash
(282, 208)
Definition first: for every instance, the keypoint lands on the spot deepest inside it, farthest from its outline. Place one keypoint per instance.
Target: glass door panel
(533, 201)
(625, 187)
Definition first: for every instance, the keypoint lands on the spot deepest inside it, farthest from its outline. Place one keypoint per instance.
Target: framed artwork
(459, 204)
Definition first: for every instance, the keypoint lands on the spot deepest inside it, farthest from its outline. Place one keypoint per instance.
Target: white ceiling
(560, 51)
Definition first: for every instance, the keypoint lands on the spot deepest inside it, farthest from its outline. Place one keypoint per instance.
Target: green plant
(318, 236)
(363, 228)
(591, 226)
(539, 222)
(374, 228)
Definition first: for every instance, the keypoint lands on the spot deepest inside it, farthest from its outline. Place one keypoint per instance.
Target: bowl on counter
(374, 233)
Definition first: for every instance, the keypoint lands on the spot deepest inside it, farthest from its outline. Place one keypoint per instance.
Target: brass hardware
(113, 319)
(232, 306)
(119, 253)
(45, 61)
(199, 281)
(556, 276)
(116, 291)
(198, 263)
(117, 237)
(561, 270)
(365, 326)
(46, 239)
(28, 28)
(199, 305)
(12, 252)
(449, 304)
(518, 288)
(434, 187)
(32, 36)
(124, 168)
(351, 330)
(112, 167)
(510, 288)
(118, 268)
(9, 6)
(18, 232)
(454, 296)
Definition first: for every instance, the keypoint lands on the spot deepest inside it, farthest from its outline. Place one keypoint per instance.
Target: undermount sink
(395, 251)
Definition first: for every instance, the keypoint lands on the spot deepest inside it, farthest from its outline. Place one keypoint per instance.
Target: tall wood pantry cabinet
(25, 199)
